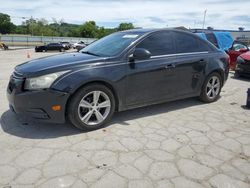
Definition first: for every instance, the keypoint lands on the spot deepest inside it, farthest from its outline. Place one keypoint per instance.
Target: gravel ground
(177, 144)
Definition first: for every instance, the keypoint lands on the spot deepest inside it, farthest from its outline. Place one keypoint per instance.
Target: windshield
(111, 45)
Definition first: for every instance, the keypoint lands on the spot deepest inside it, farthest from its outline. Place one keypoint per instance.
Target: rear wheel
(211, 88)
(91, 107)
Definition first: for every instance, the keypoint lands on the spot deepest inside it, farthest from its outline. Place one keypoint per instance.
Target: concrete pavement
(179, 144)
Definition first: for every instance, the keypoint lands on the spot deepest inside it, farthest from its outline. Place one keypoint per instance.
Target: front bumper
(36, 104)
(243, 69)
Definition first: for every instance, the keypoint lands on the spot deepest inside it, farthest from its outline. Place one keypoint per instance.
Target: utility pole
(31, 24)
(204, 19)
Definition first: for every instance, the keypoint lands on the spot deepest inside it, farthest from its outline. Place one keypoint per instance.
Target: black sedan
(124, 70)
(51, 47)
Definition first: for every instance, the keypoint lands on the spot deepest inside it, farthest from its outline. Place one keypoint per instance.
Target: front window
(111, 45)
(160, 43)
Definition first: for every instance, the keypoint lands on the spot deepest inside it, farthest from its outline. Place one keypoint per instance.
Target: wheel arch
(101, 82)
(220, 72)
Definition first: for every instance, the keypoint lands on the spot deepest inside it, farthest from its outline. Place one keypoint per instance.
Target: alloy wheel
(213, 87)
(94, 107)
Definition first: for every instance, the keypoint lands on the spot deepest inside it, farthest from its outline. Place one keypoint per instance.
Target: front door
(150, 80)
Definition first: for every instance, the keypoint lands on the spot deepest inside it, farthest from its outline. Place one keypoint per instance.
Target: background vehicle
(77, 43)
(80, 45)
(51, 47)
(3, 46)
(66, 45)
(243, 65)
(237, 49)
(222, 40)
(121, 71)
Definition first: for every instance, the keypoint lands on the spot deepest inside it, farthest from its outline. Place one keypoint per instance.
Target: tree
(102, 32)
(89, 30)
(41, 27)
(6, 26)
(125, 26)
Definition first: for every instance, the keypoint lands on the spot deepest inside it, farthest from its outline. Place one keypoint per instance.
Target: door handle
(202, 61)
(169, 66)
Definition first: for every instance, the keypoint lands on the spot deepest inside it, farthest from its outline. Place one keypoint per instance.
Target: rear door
(192, 56)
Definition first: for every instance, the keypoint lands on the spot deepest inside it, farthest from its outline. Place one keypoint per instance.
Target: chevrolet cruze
(121, 71)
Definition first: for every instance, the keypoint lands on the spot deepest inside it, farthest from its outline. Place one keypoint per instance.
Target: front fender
(111, 75)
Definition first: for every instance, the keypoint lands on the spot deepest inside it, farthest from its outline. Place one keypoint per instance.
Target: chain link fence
(30, 41)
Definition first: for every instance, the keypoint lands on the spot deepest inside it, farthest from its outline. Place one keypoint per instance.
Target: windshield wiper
(90, 53)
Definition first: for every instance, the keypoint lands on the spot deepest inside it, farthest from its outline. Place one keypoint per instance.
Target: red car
(242, 67)
(235, 51)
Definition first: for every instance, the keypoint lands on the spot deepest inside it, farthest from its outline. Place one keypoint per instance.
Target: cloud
(221, 14)
(156, 19)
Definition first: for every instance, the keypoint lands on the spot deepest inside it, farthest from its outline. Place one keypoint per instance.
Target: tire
(62, 50)
(88, 111)
(210, 91)
(236, 74)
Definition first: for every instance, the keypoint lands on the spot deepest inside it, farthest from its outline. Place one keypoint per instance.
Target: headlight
(42, 82)
(240, 60)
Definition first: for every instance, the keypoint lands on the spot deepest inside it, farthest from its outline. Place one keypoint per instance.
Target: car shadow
(26, 128)
(123, 117)
(241, 78)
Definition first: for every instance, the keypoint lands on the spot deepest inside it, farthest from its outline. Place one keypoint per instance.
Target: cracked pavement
(178, 144)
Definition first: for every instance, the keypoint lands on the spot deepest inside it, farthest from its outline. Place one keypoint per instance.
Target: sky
(221, 14)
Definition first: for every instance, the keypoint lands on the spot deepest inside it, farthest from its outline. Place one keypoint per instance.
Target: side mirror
(243, 50)
(140, 54)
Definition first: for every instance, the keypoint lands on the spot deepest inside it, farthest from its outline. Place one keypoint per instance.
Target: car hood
(246, 56)
(57, 63)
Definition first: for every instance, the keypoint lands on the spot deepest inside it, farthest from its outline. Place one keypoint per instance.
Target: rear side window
(211, 38)
(160, 43)
(186, 43)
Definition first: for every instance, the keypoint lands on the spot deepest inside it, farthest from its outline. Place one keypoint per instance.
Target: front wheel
(91, 107)
(211, 88)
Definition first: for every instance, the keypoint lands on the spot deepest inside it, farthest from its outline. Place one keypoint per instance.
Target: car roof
(150, 30)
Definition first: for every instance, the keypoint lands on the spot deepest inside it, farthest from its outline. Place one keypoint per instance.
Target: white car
(79, 44)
